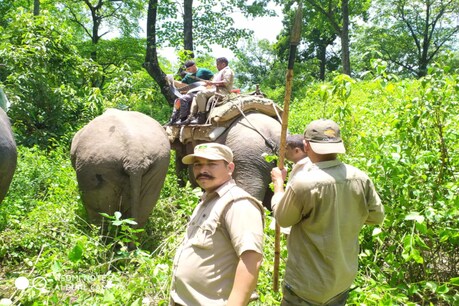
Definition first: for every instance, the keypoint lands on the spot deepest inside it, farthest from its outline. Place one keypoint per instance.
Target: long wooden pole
(294, 41)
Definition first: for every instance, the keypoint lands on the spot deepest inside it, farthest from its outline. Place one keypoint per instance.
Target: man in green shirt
(193, 75)
(326, 206)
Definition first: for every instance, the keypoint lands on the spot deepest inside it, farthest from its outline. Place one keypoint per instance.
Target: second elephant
(8, 154)
(121, 160)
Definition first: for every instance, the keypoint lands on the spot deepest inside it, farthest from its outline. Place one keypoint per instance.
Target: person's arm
(283, 203)
(245, 280)
(278, 177)
(226, 78)
(375, 207)
(216, 83)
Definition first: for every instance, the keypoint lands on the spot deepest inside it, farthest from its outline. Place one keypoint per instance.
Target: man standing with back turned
(327, 207)
(218, 261)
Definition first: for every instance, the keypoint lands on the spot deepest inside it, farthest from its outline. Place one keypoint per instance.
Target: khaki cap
(324, 136)
(211, 151)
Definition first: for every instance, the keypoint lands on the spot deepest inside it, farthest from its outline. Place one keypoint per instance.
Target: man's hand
(278, 177)
(245, 280)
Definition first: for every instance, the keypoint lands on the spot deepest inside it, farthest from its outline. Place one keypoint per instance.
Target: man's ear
(307, 146)
(231, 168)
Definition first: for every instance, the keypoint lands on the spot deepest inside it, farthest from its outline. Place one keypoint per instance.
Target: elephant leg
(180, 168)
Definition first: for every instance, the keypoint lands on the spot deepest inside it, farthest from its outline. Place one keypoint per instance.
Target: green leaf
(376, 231)
(56, 267)
(105, 215)
(415, 216)
(117, 215)
(109, 297)
(454, 281)
(416, 255)
(443, 289)
(129, 221)
(76, 253)
(432, 286)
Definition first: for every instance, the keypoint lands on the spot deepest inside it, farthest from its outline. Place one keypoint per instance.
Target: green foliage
(107, 16)
(403, 133)
(45, 80)
(257, 64)
(212, 22)
(55, 98)
(410, 35)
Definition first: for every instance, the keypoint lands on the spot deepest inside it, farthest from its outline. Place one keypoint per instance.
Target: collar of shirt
(218, 77)
(328, 164)
(304, 161)
(220, 191)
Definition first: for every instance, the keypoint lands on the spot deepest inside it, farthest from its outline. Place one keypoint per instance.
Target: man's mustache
(204, 175)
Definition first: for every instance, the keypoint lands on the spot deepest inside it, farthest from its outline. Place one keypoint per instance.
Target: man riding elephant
(222, 85)
(183, 105)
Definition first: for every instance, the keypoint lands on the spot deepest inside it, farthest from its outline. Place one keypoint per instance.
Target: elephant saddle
(221, 114)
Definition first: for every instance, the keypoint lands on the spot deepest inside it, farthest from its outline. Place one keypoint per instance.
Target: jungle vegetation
(386, 71)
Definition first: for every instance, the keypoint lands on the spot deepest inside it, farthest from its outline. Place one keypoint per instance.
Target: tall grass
(402, 133)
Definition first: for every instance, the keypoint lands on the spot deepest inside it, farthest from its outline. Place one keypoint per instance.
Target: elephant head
(8, 154)
(250, 137)
(121, 160)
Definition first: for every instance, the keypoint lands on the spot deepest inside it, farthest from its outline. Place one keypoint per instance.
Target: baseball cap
(324, 136)
(212, 151)
(189, 63)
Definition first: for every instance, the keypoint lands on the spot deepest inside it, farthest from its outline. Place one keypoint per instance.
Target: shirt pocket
(204, 237)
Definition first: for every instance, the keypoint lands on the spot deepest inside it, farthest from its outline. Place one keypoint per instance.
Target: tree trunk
(322, 57)
(188, 26)
(36, 7)
(151, 58)
(345, 57)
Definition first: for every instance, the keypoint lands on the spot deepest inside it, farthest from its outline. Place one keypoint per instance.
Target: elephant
(249, 137)
(8, 154)
(121, 160)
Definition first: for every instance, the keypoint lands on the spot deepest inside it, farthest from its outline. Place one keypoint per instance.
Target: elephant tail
(136, 184)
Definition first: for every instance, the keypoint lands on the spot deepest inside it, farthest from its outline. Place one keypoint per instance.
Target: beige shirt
(326, 207)
(227, 75)
(303, 165)
(217, 234)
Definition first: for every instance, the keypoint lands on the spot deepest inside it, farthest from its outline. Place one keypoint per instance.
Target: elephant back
(122, 136)
(8, 154)
(222, 116)
(121, 160)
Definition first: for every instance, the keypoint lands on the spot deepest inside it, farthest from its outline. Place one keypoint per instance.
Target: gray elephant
(8, 154)
(121, 160)
(250, 137)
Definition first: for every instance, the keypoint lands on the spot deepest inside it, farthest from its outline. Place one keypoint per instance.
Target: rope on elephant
(230, 107)
(223, 115)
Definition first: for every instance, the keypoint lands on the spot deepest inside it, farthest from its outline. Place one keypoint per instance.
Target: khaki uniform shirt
(227, 75)
(219, 231)
(326, 207)
(303, 165)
